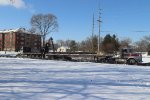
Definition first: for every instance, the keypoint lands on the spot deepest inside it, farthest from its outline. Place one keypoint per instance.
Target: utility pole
(93, 27)
(93, 33)
(99, 24)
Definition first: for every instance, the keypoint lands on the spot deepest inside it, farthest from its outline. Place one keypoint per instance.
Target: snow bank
(9, 53)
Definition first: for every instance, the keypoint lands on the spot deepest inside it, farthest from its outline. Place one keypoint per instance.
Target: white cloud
(14, 3)
(30, 8)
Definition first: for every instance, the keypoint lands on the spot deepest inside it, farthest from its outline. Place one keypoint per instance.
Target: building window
(22, 34)
(27, 43)
(36, 39)
(22, 38)
(21, 43)
(17, 37)
(35, 43)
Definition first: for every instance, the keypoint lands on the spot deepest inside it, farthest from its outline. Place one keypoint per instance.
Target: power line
(140, 31)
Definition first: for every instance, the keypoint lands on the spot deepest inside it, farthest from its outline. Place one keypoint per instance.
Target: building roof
(65, 47)
(12, 30)
(20, 30)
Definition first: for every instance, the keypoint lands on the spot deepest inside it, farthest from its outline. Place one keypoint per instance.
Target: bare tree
(44, 24)
(143, 44)
(125, 43)
(60, 43)
(89, 44)
(32, 30)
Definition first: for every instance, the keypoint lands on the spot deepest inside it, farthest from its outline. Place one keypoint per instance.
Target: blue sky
(120, 17)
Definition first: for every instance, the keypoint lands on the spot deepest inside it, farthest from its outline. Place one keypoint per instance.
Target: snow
(146, 59)
(22, 30)
(9, 53)
(33, 79)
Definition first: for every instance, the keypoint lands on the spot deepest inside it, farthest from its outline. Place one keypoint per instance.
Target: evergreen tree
(73, 46)
(110, 44)
(94, 43)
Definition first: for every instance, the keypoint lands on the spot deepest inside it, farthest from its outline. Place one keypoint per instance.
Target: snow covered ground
(146, 59)
(29, 79)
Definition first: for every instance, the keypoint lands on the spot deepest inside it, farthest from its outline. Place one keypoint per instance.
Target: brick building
(15, 40)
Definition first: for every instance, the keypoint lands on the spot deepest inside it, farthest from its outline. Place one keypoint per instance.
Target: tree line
(109, 44)
(44, 24)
